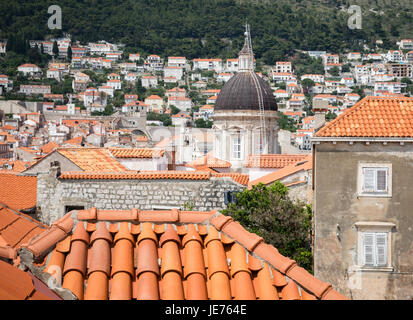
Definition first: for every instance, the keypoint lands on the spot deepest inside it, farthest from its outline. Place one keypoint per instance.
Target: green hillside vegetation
(208, 28)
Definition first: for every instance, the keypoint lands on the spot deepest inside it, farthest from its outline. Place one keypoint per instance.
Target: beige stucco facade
(342, 214)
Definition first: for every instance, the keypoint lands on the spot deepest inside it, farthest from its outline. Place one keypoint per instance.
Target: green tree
(55, 49)
(307, 84)
(286, 123)
(174, 110)
(271, 214)
(330, 116)
(334, 71)
(201, 123)
(69, 53)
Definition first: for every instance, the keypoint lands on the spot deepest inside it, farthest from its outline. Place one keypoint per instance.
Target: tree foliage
(283, 223)
(202, 28)
(201, 123)
(286, 123)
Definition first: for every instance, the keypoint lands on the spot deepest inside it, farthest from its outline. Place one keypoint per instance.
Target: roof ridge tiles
(155, 216)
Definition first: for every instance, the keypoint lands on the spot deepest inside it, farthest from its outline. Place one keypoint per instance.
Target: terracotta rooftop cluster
(166, 255)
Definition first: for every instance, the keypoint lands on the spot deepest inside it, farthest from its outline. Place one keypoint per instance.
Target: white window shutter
(368, 249)
(381, 249)
(382, 180)
(368, 179)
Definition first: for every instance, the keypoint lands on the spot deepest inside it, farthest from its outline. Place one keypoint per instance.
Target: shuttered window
(375, 249)
(375, 180)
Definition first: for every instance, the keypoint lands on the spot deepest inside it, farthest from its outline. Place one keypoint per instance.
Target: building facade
(362, 200)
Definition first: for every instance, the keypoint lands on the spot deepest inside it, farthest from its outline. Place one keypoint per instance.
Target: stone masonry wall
(54, 195)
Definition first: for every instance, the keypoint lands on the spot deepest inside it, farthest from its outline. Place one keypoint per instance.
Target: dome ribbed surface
(240, 93)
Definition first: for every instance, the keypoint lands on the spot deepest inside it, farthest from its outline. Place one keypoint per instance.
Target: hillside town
(108, 155)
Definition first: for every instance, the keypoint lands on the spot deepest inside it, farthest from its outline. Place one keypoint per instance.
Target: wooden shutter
(381, 249)
(368, 249)
(381, 180)
(368, 179)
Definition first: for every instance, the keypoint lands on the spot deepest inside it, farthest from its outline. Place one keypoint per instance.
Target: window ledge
(374, 195)
(370, 269)
(363, 226)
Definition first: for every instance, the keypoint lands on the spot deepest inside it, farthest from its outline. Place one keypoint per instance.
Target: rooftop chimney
(320, 108)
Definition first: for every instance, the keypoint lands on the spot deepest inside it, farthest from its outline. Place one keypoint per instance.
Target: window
(71, 208)
(374, 246)
(258, 146)
(236, 147)
(375, 249)
(375, 180)
(230, 197)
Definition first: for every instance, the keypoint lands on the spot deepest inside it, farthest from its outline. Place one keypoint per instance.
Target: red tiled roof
(49, 147)
(304, 164)
(15, 284)
(92, 159)
(137, 152)
(18, 192)
(237, 177)
(373, 117)
(273, 160)
(154, 97)
(76, 122)
(75, 141)
(143, 175)
(209, 161)
(18, 165)
(16, 229)
(9, 127)
(169, 255)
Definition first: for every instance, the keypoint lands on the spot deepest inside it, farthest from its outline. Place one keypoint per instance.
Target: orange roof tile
(49, 147)
(237, 177)
(209, 161)
(273, 160)
(143, 175)
(16, 229)
(75, 141)
(304, 164)
(373, 117)
(17, 165)
(171, 255)
(20, 193)
(15, 284)
(137, 152)
(92, 159)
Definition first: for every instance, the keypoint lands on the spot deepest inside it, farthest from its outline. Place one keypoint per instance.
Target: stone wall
(55, 195)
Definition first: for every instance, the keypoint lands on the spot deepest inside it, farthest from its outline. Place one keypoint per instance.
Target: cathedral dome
(243, 92)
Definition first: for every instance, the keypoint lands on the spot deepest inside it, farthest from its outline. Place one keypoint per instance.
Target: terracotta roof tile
(16, 229)
(208, 161)
(16, 284)
(304, 164)
(137, 152)
(213, 258)
(237, 177)
(390, 117)
(49, 147)
(21, 191)
(143, 175)
(273, 160)
(92, 159)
